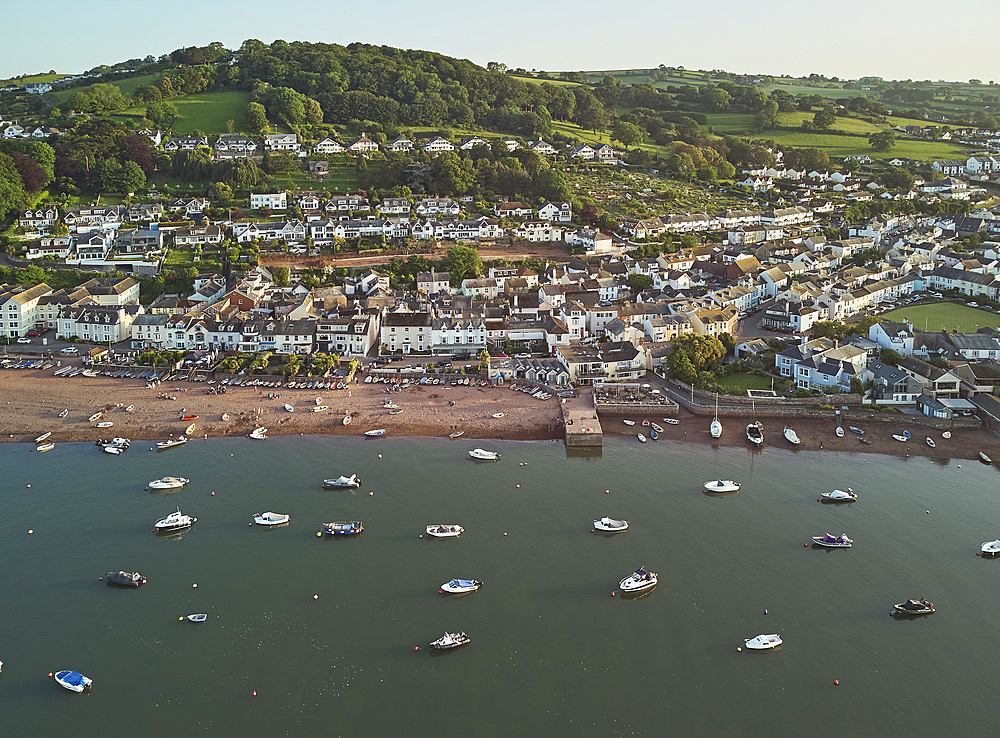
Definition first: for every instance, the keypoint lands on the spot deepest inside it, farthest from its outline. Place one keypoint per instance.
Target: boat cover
(642, 574)
(832, 539)
(914, 605)
(72, 678)
(462, 583)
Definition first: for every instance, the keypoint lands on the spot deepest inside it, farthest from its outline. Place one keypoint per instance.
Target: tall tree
(627, 134)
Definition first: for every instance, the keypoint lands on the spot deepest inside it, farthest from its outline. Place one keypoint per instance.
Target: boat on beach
(762, 642)
(984, 458)
(318, 408)
(174, 521)
(930, 442)
(610, 525)
(626, 421)
(461, 586)
(105, 424)
(445, 531)
(375, 433)
(42, 437)
(722, 485)
(755, 433)
(642, 438)
(655, 427)
(95, 417)
(347, 420)
(125, 579)
(456, 434)
(840, 432)
(450, 640)
(946, 435)
(259, 434)
(638, 581)
(344, 528)
(130, 408)
(186, 418)
(839, 495)
(855, 429)
(64, 413)
(791, 436)
(342, 481)
(654, 434)
(168, 483)
(189, 430)
(271, 518)
(74, 681)
(289, 408)
(829, 541)
(483, 454)
(901, 439)
(671, 421)
(164, 445)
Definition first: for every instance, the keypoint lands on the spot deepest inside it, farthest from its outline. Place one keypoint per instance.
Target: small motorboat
(840, 432)
(64, 413)
(901, 439)
(375, 433)
(610, 525)
(642, 438)
(829, 541)
(342, 481)
(125, 579)
(318, 408)
(628, 422)
(990, 548)
(655, 427)
(105, 424)
(791, 436)
(638, 581)
(259, 434)
(839, 495)
(164, 445)
(347, 420)
(461, 586)
(74, 681)
(913, 607)
(95, 417)
(42, 437)
(671, 421)
(456, 434)
(187, 418)
(351, 528)
(483, 454)
(653, 434)
(189, 430)
(174, 521)
(755, 434)
(198, 617)
(130, 408)
(946, 435)
(289, 408)
(43, 447)
(445, 531)
(168, 483)
(984, 458)
(763, 642)
(722, 485)
(450, 640)
(855, 429)
(930, 442)
(271, 518)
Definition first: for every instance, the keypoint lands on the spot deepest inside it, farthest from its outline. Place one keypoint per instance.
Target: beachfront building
(407, 332)
(19, 307)
(150, 331)
(112, 290)
(606, 362)
(348, 335)
(104, 324)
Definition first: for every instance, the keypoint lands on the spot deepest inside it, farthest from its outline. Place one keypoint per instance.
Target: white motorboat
(762, 642)
(174, 521)
(319, 408)
(610, 525)
(271, 518)
(755, 433)
(198, 617)
(445, 531)
(42, 437)
(483, 455)
(43, 447)
(74, 681)
(461, 586)
(671, 421)
(841, 541)
(289, 408)
(991, 548)
(259, 434)
(168, 483)
(375, 433)
(840, 432)
(342, 481)
(450, 640)
(628, 422)
(722, 485)
(164, 445)
(930, 442)
(791, 436)
(638, 581)
(839, 495)
(642, 438)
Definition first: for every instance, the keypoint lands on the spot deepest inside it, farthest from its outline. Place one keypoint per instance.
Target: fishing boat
(930, 442)
(450, 640)
(626, 421)
(946, 435)
(189, 430)
(722, 485)
(762, 642)
(289, 408)
(130, 408)
(198, 617)
(319, 408)
(461, 586)
(74, 681)
(716, 428)
(456, 434)
(913, 607)
(174, 521)
(347, 420)
(164, 445)
(259, 434)
(755, 433)
(445, 531)
(271, 518)
(43, 447)
(351, 528)
(791, 436)
(840, 432)
(640, 580)
(168, 483)
(375, 433)
(642, 438)
(64, 413)
(95, 417)
(990, 548)
(653, 434)
(125, 579)
(671, 421)
(185, 418)
(483, 455)
(829, 541)
(342, 481)
(105, 424)
(610, 525)
(984, 458)
(855, 429)
(43, 437)
(839, 495)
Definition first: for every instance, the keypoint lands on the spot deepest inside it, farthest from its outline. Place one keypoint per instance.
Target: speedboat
(610, 525)
(351, 528)
(991, 548)
(450, 640)
(791, 436)
(259, 434)
(840, 432)
(174, 521)
(342, 481)
(289, 408)
(375, 433)
(722, 485)
(763, 642)
(755, 433)
(74, 681)
(198, 617)
(829, 541)
(640, 580)
(930, 442)
(270, 518)
(168, 483)
(642, 438)
(913, 607)
(445, 531)
(483, 455)
(838, 495)
(460, 586)
(164, 445)
(125, 579)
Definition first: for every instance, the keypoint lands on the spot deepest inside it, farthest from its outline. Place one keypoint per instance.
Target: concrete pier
(582, 426)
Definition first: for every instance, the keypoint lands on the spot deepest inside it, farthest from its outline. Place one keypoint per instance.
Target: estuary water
(552, 652)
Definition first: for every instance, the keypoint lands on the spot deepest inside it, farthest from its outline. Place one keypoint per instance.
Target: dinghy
(930, 442)
(901, 439)
(671, 421)
(946, 435)
(64, 413)
(375, 433)
(259, 434)
(43, 437)
(95, 417)
(456, 434)
(653, 434)
(791, 436)
(840, 432)
(189, 430)
(347, 420)
(642, 438)
(289, 408)
(105, 424)
(319, 408)
(628, 422)
(198, 617)
(43, 447)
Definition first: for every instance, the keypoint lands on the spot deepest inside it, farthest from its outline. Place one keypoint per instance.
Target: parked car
(70, 351)
(24, 339)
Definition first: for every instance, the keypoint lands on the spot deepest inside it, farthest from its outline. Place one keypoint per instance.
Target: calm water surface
(552, 653)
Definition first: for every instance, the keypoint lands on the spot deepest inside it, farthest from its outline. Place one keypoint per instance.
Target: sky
(893, 39)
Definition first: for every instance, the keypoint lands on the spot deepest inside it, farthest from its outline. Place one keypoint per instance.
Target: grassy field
(206, 112)
(31, 79)
(127, 86)
(944, 316)
(801, 87)
(842, 145)
(739, 383)
(340, 180)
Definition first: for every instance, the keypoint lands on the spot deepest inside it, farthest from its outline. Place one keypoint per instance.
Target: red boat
(189, 417)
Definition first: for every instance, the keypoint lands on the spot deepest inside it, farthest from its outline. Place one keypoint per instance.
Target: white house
(556, 212)
(437, 144)
(270, 200)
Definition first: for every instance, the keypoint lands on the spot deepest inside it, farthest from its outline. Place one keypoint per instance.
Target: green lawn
(842, 145)
(206, 111)
(127, 86)
(340, 180)
(731, 122)
(31, 79)
(801, 87)
(941, 316)
(739, 383)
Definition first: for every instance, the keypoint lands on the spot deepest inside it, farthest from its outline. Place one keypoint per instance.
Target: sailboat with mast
(755, 429)
(716, 428)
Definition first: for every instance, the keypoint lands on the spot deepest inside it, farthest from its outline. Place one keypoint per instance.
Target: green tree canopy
(882, 141)
(464, 263)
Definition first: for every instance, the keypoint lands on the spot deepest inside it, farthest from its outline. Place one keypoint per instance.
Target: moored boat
(259, 434)
(762, 642)
(271, 518)
(43, 447)
(461, 586)
(174, 521)
(755, 433)
(722, 485)
(483, 454)
(610, 525)
(638, 581)
(74, 681)
(168, 483)
(344, 528)
(450, 640)
(342, 481)
(839, 495)
(990, 548)
(642, 438)
(125, 579)
(164, 445)
(445, 531)
(841, 541)
(913, 607)
(456, 434)
(791, 436)
(198, 617)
